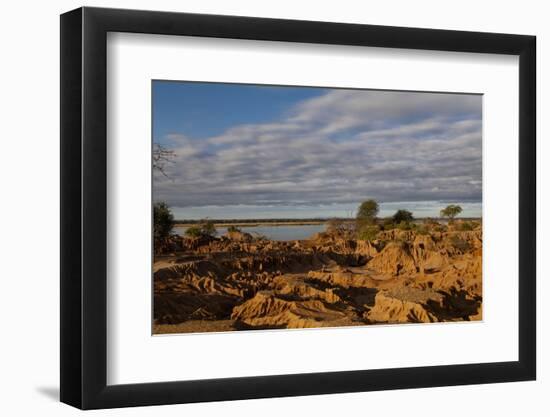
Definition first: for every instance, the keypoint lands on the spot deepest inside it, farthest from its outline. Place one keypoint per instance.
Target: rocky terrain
(237, 282)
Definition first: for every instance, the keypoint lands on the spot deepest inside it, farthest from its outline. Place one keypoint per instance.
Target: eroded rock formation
(241, 282)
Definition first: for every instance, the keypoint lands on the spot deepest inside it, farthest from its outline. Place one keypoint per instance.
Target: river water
(276, 232)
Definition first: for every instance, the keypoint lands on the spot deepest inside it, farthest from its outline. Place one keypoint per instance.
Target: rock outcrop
(395, 259)
(270, 310)
(242, 282)
(405, 305)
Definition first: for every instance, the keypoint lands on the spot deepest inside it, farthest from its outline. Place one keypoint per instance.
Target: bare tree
(161, 156)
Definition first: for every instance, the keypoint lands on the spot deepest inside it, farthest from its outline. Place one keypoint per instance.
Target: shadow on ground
(50, 392)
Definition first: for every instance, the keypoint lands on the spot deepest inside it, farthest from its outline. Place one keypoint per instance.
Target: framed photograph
(258, 208)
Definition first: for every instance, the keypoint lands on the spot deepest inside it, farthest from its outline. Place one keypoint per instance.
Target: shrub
(233, 229)
(387, 224)
(208, 228)
(335, 226)
(460, 244)
(341, 228)
(193, 231)
(368, 232)
(163, 221)
(403, 225)
(422, 230)
(204, 229)
(402, 216)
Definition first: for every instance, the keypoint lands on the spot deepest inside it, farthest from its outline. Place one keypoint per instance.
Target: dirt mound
(459, 243)
(173, 308)
(367, 248)
(397, 234)
(269, 310)
(344, 278)
(426, 254)
(463, 273)
(395, 259)
(291, 286)
(405, 306)
(412, 305)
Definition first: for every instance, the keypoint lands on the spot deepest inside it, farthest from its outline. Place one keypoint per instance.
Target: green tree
(451, 211)
(163, 221)
(402, 216)
(366, 229)
(367, 212)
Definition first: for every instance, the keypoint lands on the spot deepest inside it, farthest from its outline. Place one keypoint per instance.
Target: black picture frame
(84, 207)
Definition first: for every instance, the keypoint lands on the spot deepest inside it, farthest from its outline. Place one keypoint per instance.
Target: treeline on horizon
(293, 220)
(365, 226)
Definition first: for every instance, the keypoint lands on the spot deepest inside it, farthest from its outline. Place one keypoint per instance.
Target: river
(275, 232)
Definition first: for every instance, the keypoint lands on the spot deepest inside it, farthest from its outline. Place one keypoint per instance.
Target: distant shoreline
(259, 223)
(289, 222)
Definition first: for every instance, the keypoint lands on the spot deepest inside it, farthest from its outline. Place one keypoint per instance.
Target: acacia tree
(451, 211)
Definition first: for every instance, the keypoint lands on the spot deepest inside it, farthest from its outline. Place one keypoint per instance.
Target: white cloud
(337, 148)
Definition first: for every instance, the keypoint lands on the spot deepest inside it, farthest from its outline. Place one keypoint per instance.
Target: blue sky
(200, 110)
(248, 151)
